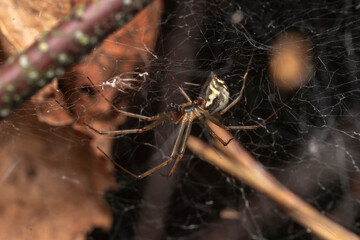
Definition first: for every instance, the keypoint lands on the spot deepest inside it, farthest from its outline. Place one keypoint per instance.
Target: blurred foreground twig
(48, 57)
(235, 160)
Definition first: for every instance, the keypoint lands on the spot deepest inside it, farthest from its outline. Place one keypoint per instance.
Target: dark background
(311, 146)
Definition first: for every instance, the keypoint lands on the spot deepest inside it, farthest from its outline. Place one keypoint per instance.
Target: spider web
(311, 145)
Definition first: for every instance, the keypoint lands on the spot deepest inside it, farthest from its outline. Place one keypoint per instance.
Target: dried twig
(235, 160)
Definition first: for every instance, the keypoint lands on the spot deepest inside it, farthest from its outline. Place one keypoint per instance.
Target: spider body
(215, 93)
(213, 100)
(186, 113)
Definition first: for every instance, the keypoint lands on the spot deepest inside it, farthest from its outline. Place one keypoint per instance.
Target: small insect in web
(124, 82)
(212, 101)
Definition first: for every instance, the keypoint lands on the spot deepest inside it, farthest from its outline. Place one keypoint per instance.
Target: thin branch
(235, 160)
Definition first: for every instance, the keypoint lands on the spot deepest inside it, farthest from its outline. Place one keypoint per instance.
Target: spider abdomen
(215, 93)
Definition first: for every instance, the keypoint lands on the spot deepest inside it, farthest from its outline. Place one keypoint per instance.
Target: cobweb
(311, 145)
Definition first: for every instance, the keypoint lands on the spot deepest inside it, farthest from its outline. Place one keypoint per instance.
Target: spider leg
(180, 88)
(250, 127)
(214, 120)
(256, 126)
(129, 114)
(213, 134)
(236, 100)
(182, 148)
(140, 176)
(156, 168)
(162, 117)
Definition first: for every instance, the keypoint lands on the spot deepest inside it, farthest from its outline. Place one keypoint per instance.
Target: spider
(212, 101)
